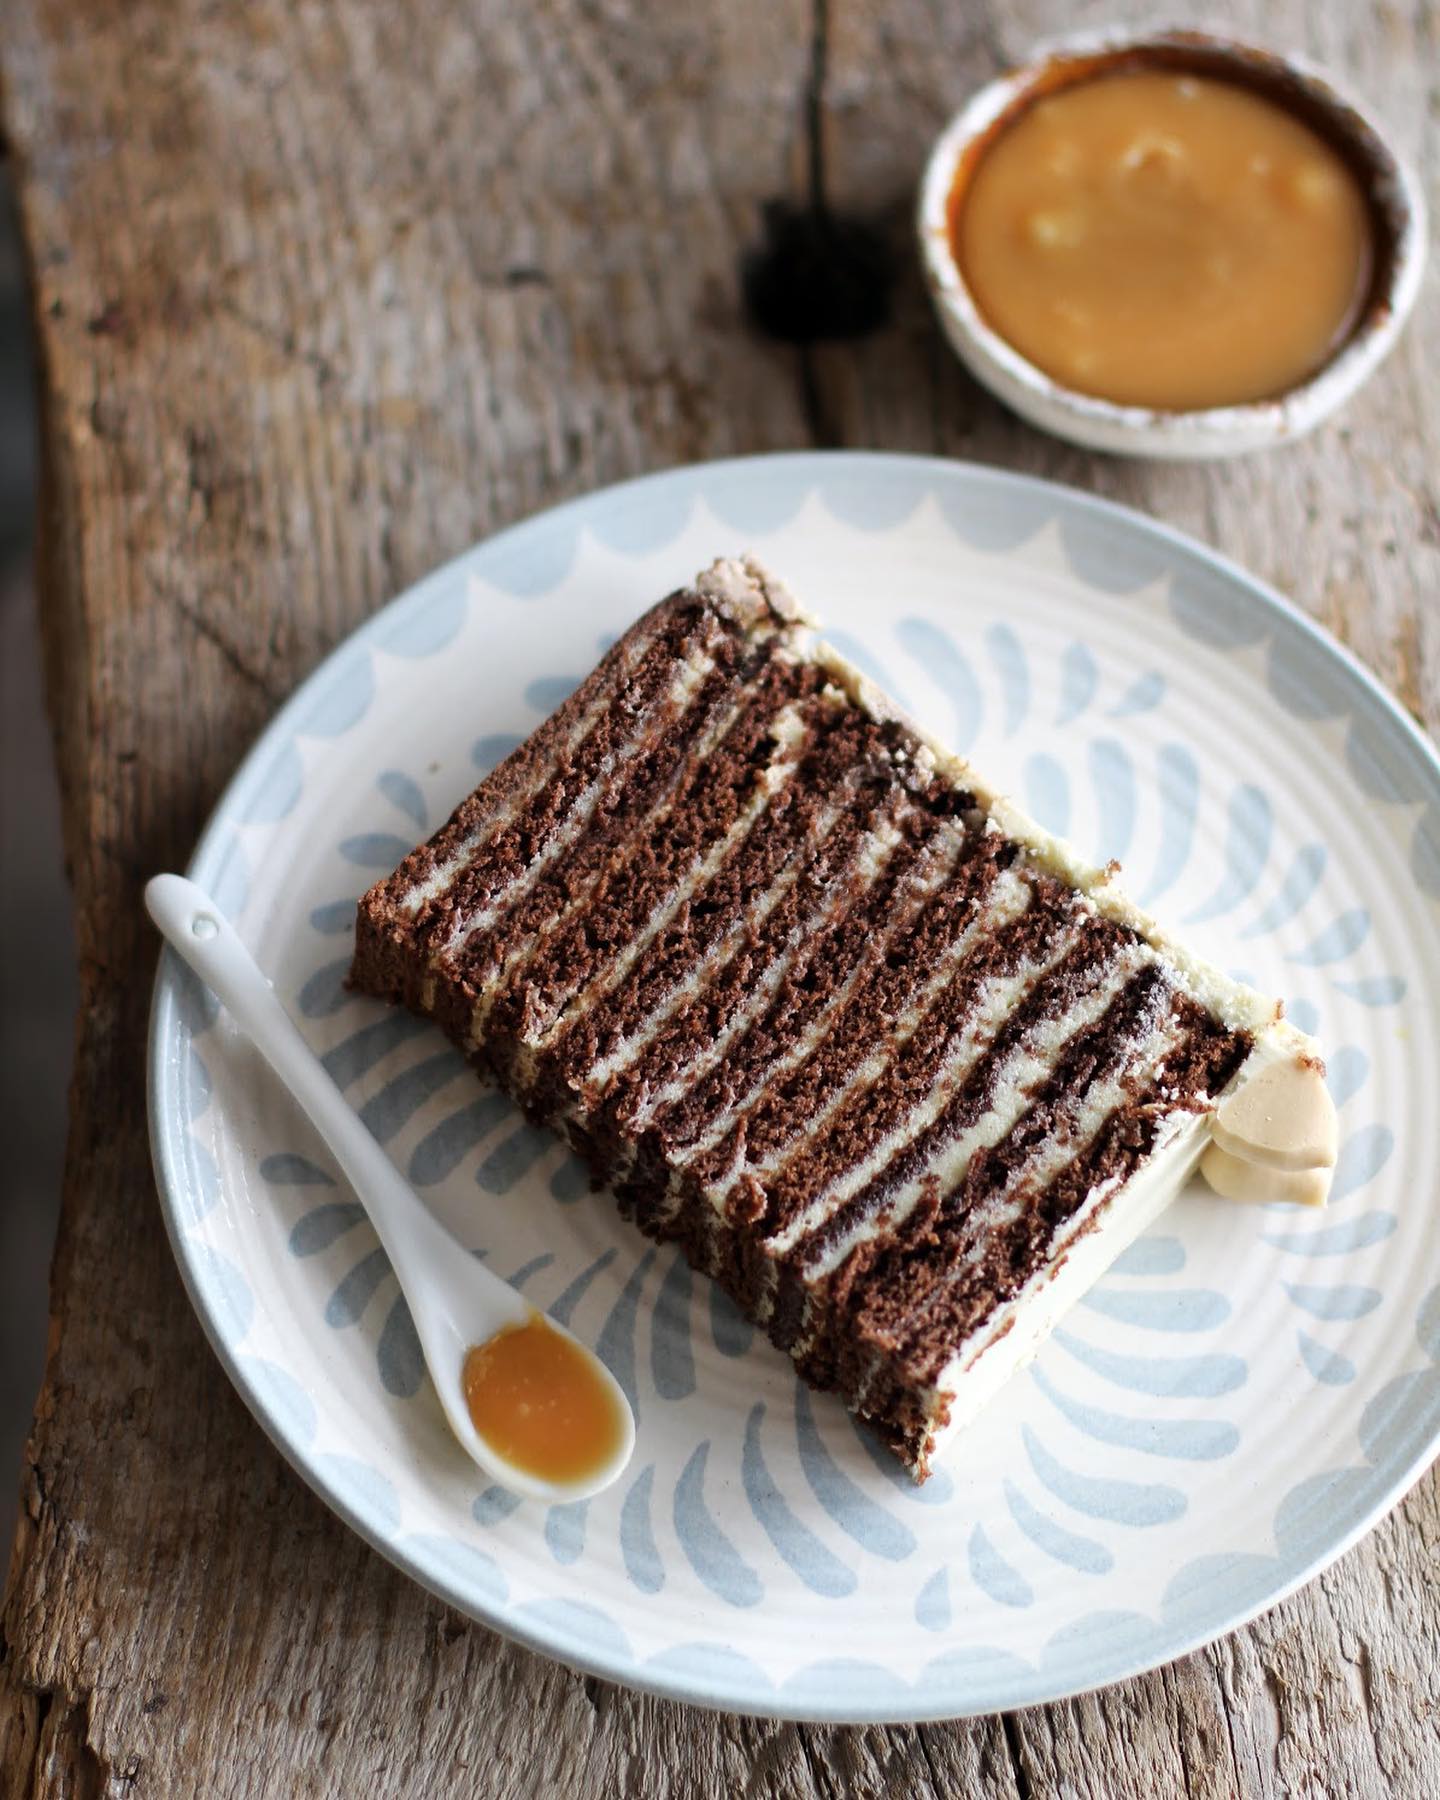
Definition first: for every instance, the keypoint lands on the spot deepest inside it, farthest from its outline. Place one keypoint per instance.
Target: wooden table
(325, 291)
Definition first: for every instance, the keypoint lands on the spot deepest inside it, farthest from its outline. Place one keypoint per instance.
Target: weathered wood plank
(324, 293)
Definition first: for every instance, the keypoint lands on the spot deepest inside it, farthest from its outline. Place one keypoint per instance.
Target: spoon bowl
(455, 1301)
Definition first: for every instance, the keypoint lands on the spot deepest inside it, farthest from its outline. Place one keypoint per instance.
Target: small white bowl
(1397, 210)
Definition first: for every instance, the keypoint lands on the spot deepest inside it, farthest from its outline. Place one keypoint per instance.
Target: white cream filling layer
(709, 741)
(788, 735)
(873, 856)
(996, 1000)
(1098, 1233)
(752, 915)
(1028, 1065)
(465, 852)
(1075, 1131)
(935, 872)
(674, 701)
(1007, 899)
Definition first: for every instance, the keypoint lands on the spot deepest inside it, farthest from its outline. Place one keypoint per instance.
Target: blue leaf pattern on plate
(846, 1502)
(1247, 848)
(1102, 1497)
(1325, 1365)
(993, 1575)
(616, 1344)
(1374, 990)
(672, 1361)
(1178, 779)
(637, 1535)
(1361, 1158)
(446, 1145)
(1299, 884)
(488, 753)
(320, 1227)
(822, 1572)
(513, 1158)
(1143, 695)
(1112, 771)
(1344, 1300)
(1079, 680)
(1060, 1545)
(379, 850)
(932, 1603)
(708, 1550)
(1047, 792)
(404, 792)
(1337, 941)
(1188, 1440)
(942, 659)
(287, 1168)
(1008, 655)
(1346, 1071)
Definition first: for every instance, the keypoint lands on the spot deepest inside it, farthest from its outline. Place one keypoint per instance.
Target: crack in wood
(1273, 1689)
(819, 1775)
(40, 1501)
(233, 658)
(815, 106)
(1360, 1671)
(937, 1787)
(281, 341)
(596, 1692)
(820, 273)
(1227, 1711)
(45, 1743)
(1182, 1743)
(824, 431)
(1014, 1744)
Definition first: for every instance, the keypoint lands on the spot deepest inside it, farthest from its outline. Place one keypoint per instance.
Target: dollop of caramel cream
(1276, 1137)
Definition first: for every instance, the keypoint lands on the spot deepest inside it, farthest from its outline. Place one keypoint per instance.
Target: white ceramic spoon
(456, 1302)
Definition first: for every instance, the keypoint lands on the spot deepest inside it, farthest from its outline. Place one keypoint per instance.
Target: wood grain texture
(324, 292)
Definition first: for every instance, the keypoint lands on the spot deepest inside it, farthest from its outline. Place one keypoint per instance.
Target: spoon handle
(206, 939)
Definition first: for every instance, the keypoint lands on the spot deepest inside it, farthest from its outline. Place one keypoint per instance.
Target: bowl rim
(1395, 192)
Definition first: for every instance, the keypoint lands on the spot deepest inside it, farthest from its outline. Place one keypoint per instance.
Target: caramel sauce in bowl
(1026, 254)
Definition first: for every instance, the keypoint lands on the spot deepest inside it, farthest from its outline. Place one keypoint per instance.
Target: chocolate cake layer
(884, 1062)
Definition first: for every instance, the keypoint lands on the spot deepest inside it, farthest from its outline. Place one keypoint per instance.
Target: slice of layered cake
(885, 1059)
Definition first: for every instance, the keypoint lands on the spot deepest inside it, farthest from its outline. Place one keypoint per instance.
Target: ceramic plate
(1236, 1403)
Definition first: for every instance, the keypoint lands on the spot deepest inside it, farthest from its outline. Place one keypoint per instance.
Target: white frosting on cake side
(1011, 1336)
